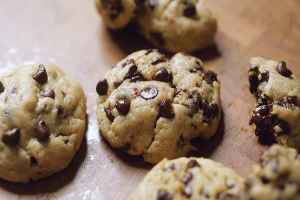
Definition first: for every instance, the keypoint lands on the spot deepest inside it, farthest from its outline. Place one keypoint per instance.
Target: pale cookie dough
(42, 122)
(116, 14)
(151, 106)
(278, 178)
(276, 113)
(190, 178)
(177, 25)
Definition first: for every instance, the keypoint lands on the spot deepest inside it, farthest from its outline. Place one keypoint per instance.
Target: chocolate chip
(102, 87)
(149, 92)
(131, 72)
(161, 75)
(59, 109)
(109, 114)
(123, 106)
(258, 113)
(48, 93)
(283, 70)
(42, 132)
(137, 76)
(128, 62)
(196, 100)
(126, 147)
(164, 195)
(11, 137)
(166, 109)
(117, 84)
(158, 37)
(187, 178)
(66, 141)
(254, 68)
(209, 76)
(261, 101)
(14, 90)
(178, 90)
(265, 77)
(1, 87)
(253, 80)
(187, 191)
(170, 168)
(210, 110)
(290, 100)
(156, 61)
(278, 103)
(152, 3)
(41, 75)
(114, 8)
(150, 50)
(192, 163)
(189, 9)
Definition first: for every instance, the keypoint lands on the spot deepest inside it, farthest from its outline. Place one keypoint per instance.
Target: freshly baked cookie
(116, 14)
(151, 106)
(276, 113)
(177, 25)
(42, 122)
(278, 177)
(190, 178)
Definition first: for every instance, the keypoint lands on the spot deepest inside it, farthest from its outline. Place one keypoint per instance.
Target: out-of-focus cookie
(177, 25)
(151, 106)
(190, 178)
(116, 14)
(276, 113)
(42, 122)
(278, 177)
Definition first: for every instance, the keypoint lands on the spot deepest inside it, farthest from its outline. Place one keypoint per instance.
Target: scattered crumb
(232, 104)
(111, 160)
(222, 71)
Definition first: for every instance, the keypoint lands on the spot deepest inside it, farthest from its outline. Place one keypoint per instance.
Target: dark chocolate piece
(166, 109)
(149, 92)
(48, 93)
(102, 87)
(192, 163)
(109, 114)
(41, 75)
(123, 106)
(11, 137)
(189, 9)
(164, 195)
(156, 61)
(283, 70)
(161, 75)
(1, 87)
(42, 132)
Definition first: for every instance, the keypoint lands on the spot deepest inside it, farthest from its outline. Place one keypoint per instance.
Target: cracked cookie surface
(177, 25)
(42, 122)
(190, 178)
(276, 113)
(151, 106)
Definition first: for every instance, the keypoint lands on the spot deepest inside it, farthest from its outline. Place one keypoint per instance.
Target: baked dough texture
(276, 113)
(151, 106)
(42, 122)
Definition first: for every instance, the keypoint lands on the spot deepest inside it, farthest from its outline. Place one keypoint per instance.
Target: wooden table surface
(70, 34)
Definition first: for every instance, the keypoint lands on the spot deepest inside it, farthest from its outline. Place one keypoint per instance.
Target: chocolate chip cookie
(116, 14)
(276, 114)
(152, 106)
(190, 178)
(42, 122)
(278, 177)
(177, 25)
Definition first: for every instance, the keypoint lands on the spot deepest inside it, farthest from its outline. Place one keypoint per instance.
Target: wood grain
(71, 35)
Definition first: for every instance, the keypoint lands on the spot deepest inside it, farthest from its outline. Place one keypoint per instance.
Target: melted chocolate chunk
(11, 137)
(210, 110)
(48, 93)
(128, 62)
(161, 75)
(109, 114)
(1, 87)
(156, 61)
(187, 191)
(290, 100)
(137, 76)
(117, 84)
(131, 72)
(170, 168)
(253, 68)
(59, 109)
(102, 87)
(123, 106)
(152, 3)
(193, 163)
(196, 100)
(166, 109)
(209, 76)
(164, 195)
(158, 37)
(150, 50)
(149, 92)
(42, 132)
(283, 70)
(189, 9)
(114, 8)
(258, 114)
(253, 80)
(265, 77)
(41, 75)
(178, 90)
(126, 147)
(187, 178)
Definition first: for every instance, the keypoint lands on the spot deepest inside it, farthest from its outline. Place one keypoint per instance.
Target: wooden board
(70, 34)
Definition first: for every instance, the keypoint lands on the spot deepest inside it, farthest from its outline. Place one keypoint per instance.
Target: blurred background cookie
(42, 122)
